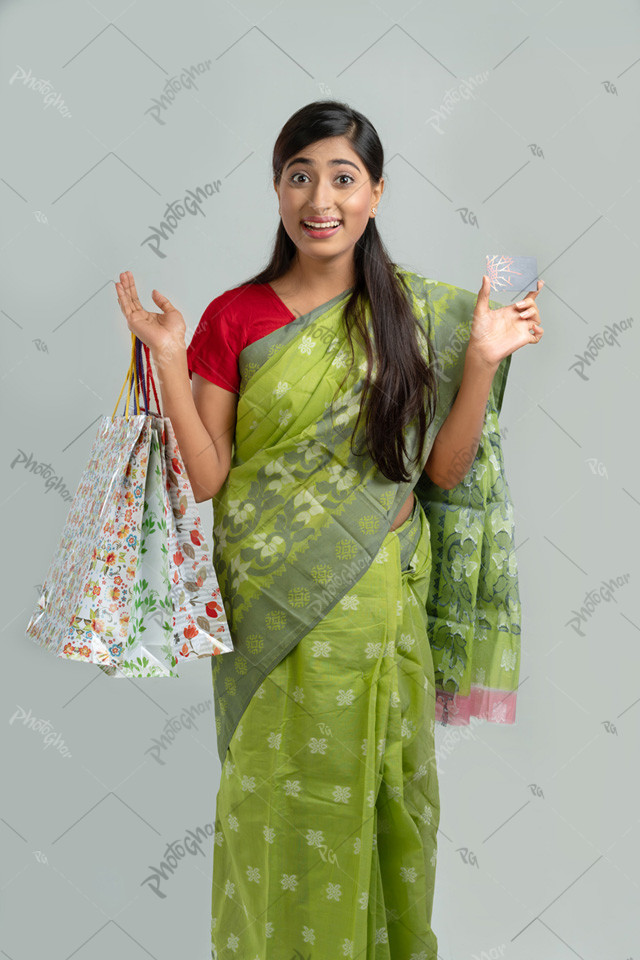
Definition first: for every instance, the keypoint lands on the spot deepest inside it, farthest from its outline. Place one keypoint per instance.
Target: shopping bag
(99, 542)
(199, 615)
(148, 650)
(114, 594)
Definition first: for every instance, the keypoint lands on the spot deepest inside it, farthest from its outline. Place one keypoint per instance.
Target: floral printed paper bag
(148, 650)
(83, 612)
(200, 623)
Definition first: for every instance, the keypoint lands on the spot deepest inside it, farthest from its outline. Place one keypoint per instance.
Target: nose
(321, 198)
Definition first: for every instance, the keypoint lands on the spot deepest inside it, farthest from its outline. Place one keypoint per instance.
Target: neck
(320, 276)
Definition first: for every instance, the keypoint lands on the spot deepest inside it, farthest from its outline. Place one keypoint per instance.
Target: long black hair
(405, 385)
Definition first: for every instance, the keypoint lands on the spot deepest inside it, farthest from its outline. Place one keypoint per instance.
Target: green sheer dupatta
(473, 603)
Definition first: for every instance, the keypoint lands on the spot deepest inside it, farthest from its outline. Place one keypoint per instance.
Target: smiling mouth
(321, 224)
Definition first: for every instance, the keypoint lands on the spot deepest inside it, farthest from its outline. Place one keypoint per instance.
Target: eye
(292, 178)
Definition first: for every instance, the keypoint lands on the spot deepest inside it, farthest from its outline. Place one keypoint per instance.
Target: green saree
(350, 641)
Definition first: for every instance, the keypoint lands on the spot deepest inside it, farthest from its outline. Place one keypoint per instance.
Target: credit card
(511, 275)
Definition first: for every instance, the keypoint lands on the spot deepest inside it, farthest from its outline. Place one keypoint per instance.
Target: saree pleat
(328, 805)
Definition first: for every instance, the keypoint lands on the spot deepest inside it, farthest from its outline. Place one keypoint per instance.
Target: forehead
(328, 145)
(329, 151)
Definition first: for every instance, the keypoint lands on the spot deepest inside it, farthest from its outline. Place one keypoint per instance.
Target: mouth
(325, 226)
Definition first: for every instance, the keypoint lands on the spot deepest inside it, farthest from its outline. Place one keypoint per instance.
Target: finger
(123, 299)
(532, 294)
(536, 333)
(163, 302)
(123, 287)
(130, 287)
(529, 301)
(483, 293)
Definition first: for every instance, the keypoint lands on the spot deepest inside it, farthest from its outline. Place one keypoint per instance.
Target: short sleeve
(216, 344)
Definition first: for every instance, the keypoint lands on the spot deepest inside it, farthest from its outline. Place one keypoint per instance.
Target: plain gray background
(539, 838)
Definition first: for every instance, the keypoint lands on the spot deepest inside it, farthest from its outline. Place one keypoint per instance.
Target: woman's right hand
(161, 332)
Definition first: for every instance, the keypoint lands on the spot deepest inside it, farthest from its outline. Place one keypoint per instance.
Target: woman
(343, 418)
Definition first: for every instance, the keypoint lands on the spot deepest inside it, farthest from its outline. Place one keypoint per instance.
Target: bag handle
(136, 379)
(150, 379)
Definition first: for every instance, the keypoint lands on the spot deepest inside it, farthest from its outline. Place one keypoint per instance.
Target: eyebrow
(311, 163)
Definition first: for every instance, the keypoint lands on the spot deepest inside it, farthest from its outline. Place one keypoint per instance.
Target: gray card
(511, 276)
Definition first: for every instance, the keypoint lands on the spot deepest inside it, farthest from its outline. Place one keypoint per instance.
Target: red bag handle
(137, 380)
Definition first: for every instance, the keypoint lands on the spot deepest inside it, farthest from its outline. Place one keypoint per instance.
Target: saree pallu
(474, 599)
(305, 561)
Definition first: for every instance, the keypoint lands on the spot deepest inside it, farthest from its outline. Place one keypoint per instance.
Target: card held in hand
(512, 277)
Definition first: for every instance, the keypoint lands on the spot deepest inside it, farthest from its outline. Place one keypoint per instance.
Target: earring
(374, 210)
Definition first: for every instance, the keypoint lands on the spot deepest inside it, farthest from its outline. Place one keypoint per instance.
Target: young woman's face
(326, 180)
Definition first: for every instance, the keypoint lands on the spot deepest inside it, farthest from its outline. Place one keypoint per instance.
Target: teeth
(321, 226)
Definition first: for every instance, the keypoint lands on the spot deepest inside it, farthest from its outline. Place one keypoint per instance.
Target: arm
(203, 419)
(456, 443)
(203, 416)
(494, 335)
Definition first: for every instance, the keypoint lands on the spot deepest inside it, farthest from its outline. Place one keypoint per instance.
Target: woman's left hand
(497, 333)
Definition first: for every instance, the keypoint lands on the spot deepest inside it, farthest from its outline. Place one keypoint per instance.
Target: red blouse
(231, 322)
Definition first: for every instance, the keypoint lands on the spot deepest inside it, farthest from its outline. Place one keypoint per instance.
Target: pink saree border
(497, 706)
